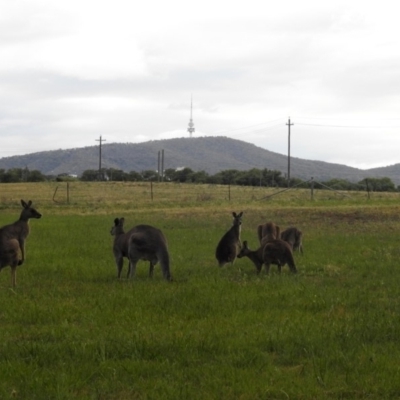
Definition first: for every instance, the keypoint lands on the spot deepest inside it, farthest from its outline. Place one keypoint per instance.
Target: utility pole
(159, 166)
(288, 166)
(162, 165)
(100, 142)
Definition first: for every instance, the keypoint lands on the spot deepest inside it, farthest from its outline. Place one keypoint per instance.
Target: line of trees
(21, 175)
(253, 177)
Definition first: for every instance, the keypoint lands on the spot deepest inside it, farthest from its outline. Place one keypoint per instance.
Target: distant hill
(211, 154)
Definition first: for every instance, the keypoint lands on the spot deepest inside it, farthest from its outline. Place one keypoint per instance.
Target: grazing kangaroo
(256, 256)
(275, 252)
(12, 240)
(278, 252)
(294, 237)
(268, 231)
(142, 242)
(229, 244)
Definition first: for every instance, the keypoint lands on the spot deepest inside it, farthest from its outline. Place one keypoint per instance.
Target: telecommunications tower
(191, 124)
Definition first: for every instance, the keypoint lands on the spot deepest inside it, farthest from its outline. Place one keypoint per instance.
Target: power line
(351, 126)
(350, 119)
(258, 130)
(251, 126)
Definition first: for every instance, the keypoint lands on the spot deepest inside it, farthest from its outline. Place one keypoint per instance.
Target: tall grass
(103, 197)
(70, 329)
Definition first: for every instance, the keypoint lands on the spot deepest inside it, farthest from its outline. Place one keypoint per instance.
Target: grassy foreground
(70, 329)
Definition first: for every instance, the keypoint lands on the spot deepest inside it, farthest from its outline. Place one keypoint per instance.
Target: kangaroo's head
(237, 218)
(28, 211)
(118, 226)
(244, 251)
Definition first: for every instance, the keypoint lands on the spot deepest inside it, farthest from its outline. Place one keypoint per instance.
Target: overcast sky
(72, 71)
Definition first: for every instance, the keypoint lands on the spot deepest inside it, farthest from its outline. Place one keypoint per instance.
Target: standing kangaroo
(12, 240)
(120, 246)
(294, 237)
(268, 231)
(275, 252)
(229, 244)
(142, 242)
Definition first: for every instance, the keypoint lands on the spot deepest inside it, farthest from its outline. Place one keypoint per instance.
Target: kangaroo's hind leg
(132, 268)
(13, 266)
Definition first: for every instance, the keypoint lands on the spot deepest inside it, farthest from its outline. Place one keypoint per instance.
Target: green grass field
(70, 329)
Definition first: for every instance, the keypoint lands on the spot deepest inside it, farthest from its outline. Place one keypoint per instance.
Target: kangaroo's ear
(24, 204)
(241, 213)
(121, 220)
(116, 221)
(234, 214)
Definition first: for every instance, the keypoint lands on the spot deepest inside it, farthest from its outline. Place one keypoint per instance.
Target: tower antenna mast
(191, 124)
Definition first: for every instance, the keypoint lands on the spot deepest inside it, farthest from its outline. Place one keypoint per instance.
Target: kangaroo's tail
(290, 262)
(163, 258)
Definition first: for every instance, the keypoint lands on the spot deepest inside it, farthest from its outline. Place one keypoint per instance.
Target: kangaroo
(9, 256)
(256, 256)
(275, 252)
(121, 242)
(294, 237)
(268, 231)
(12, 240)
(229, 244)
(278, 252)
(142, 242)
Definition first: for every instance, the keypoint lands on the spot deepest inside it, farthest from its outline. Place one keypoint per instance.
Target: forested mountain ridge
(211, 154)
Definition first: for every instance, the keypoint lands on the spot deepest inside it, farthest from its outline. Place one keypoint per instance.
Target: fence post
(54, 195)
